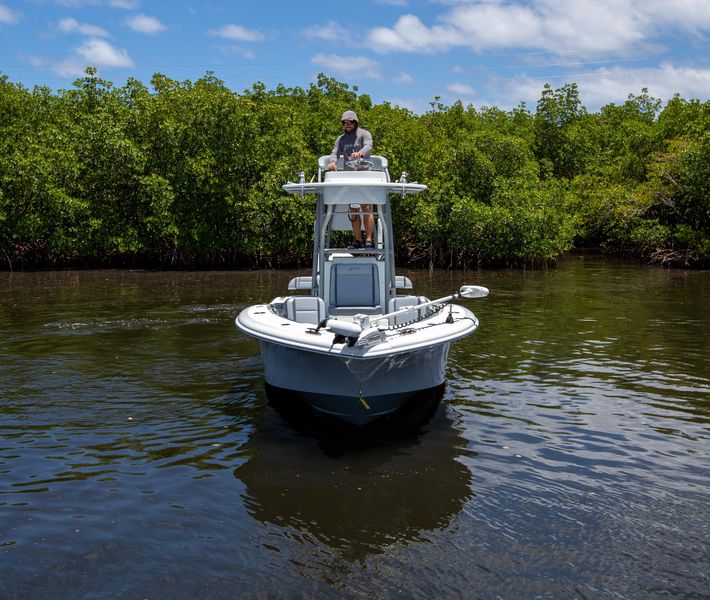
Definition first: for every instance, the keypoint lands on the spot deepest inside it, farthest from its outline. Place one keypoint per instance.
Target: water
(139, 457)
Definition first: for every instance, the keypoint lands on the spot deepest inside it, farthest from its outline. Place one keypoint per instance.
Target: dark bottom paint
(412, 414)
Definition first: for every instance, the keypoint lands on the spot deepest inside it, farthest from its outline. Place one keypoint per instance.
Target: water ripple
(139, 456)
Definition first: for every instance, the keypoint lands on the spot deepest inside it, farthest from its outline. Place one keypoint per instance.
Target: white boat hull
(357, 390)
(357, 383)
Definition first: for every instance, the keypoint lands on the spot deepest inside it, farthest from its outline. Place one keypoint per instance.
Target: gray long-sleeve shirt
(359, 140)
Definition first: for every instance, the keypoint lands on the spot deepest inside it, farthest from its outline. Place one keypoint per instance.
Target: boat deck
(354, 251)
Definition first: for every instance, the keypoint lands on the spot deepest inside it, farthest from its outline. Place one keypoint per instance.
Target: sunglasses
(348, 122)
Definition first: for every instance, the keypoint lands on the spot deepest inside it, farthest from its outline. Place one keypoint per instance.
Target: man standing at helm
(354, 143)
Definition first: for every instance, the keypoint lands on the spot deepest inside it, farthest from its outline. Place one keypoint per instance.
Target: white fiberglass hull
(357, 384)
(357, 390)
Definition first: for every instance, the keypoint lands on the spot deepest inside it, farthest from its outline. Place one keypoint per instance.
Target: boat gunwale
(383, 348)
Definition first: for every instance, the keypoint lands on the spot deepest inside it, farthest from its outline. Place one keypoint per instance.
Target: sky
(410, 53)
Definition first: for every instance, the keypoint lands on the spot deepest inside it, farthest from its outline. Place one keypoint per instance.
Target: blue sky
(407, 52)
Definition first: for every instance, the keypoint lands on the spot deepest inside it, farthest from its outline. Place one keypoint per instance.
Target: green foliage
(190, 173)
(678, 194)
(559, 141)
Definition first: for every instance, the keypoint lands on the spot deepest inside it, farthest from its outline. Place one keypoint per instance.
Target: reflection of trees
(128, 336)
(593, 319)
(104, 314)
(356, 491)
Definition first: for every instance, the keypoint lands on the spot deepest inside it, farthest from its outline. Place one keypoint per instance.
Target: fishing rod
(353, 329)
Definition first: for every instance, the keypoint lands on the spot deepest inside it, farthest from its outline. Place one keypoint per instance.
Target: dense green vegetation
(189, 174)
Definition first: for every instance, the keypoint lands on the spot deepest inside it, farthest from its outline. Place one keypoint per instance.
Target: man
(354, 143)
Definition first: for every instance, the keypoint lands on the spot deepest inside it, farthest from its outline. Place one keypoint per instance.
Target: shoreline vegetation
(188, 175)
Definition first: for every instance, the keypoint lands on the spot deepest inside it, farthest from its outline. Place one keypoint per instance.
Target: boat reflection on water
(355, 490)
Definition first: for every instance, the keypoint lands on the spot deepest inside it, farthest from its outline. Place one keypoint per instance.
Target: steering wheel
(360, 164)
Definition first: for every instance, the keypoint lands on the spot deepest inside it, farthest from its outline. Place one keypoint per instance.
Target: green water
(140, 457)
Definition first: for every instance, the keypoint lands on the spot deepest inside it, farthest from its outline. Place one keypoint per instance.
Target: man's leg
(369, 221)
(356, 223)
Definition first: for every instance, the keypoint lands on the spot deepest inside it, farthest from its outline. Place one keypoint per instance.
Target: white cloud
(348, 66)
(76, 3)
(393, 2)
(70, 25)
(239, 33)
(614, 85)
(94, 52)
(461, 90)
(578, 26)
(410, 35)
(492, 26)
(586, 26)
(99, 53)
(124, 4)
(404, 78)
(69, 68)
(8, 16)
(145, 24)
(330, 32)
(689, 14)
(607, 85)
(241, 51)
(415, 105)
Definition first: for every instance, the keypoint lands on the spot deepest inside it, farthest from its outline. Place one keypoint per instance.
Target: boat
(351, 340)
